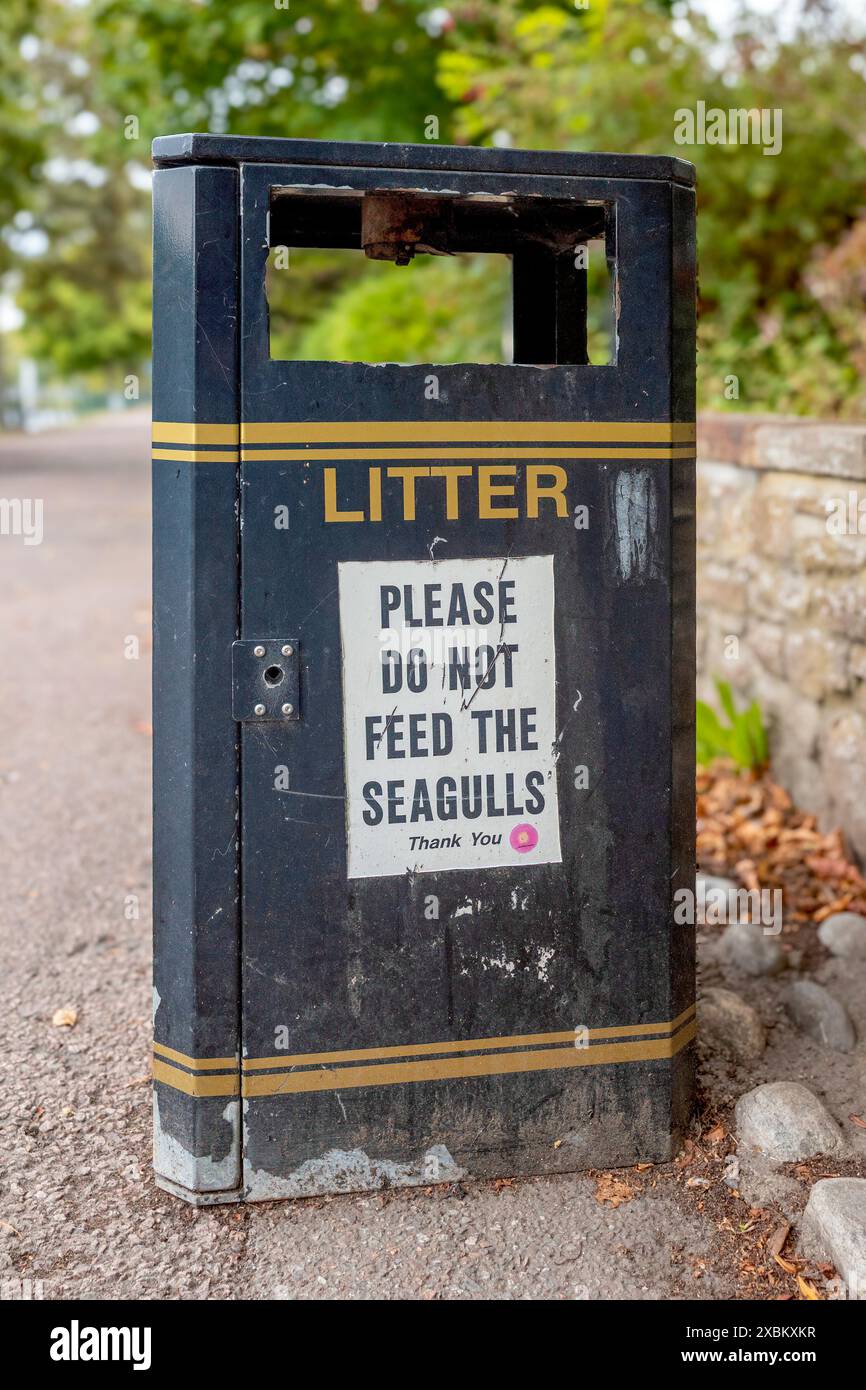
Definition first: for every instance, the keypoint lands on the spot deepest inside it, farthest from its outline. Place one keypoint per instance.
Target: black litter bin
(423, 682)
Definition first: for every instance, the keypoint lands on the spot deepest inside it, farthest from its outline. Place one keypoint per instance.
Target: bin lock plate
(265, 681)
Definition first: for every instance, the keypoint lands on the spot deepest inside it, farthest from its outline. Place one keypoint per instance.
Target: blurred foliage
(336, 305)
(782, 238)
(743, 739)
(613, 76)
(438, 308)
(19, 130)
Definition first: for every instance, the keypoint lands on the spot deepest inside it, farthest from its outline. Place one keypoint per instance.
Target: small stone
(834, 1228)
(729, 1025)
(746, 947)
(844, 934)
(786, 1121)
(823, 1018)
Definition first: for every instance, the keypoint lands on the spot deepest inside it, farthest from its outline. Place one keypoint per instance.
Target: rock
(746, 947)
(813, 1008)
(727, 1024)
(785, 1121)
(816, 663)
(834, 1228)
(763, 1185)
(844, 934)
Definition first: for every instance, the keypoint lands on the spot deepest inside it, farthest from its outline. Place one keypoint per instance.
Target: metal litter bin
(423, 682)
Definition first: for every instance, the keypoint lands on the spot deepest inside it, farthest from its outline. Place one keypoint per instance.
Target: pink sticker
(524, 838)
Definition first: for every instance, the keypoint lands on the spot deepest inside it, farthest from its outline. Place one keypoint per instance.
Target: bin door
(459, 784)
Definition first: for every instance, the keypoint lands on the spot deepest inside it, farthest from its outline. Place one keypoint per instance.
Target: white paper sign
(449, 714)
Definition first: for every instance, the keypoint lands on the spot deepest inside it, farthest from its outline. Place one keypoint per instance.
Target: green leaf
(727, 699)
(744, 740)
(710, 733)
(741, 745)
(757, 732)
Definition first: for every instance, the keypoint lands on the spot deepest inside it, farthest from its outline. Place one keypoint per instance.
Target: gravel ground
(79, 1210)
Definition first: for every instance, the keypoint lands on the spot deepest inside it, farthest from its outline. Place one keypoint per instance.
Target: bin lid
(191, 148)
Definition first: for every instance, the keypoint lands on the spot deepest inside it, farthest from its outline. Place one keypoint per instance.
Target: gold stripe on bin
(445, 431)
(498, 1056)
(368, 1054)
(195, 1085)
(371, 452)
(281, 441)
(438, 1069)
(195, 1063)
(174, 432)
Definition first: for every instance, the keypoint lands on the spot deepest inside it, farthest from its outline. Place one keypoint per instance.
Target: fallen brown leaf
(749, 829)
(611, 1191)
(838, 905)
(687, 1154)
(776, 1243)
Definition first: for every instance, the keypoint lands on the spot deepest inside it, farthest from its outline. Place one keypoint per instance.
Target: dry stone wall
(781, 585)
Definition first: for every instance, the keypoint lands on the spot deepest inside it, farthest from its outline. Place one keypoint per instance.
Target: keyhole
(273, 675)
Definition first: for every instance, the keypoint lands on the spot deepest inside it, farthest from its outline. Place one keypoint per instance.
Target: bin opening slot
(413, 277)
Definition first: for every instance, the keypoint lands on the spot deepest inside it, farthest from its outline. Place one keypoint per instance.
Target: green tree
(112, 74)
(21, 131)
(780, 311)
(86, 86)
(614, 76)
(334, 69)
